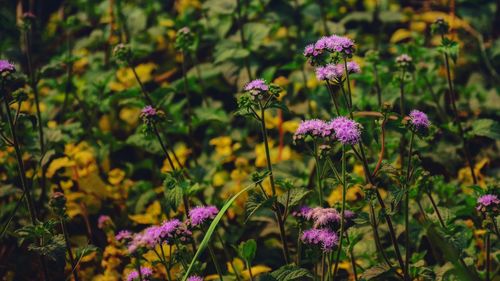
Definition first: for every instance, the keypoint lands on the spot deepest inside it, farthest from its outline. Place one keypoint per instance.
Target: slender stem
(348, 82)
(273, 187)
(68, 248)
(377, 86)
(318, 174)
(488, 255)
(250, 271)
(323, 262)
(353, 259)
(299, 247)
(149, 101)
(378, 244)
(242, 36)
(436, 209)
(457, 120)
(228, 256)
(342, 211)
(332, 95)
(402, 93)
(214, 260)
(406, 186)
(167, 265)
(138, 266)
(382, 149)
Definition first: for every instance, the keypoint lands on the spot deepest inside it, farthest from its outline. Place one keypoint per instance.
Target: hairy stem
(407, 211)
(342, 211)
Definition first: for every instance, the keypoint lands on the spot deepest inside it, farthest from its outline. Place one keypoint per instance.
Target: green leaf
(255, 34)
(257, 201)
(290, 273)
(486, 128)
(296, 195)
(211, 229)
(382, 271)
(247, 250)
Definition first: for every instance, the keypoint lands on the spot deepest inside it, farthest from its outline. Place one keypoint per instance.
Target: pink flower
(123, 235)
(322, 217)
(323, 237)
(6, 66)
(488, 201)
(201, 214)
(347, 131)
(145, 273)
(102, 221)
(314, 128)
(195, 278)
(419, 119)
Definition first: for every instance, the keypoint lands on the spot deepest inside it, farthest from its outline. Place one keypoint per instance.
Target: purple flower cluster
(322, 217)
(124, 235)
(419, 120)
(6, 66)
(333, 43)
(148, 112)
(487, 202)
(323, 237)
(195, 278)
(201, 214)
(335, 72)
(314, 128)
(145, 273)
(157, 234)
(103, 221)
(347, 131)
(403, 60)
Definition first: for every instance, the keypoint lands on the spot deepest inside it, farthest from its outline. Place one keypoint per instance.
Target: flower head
(302, 212)
(404, 60)
(329, 72)
(103, 221)
(313, 127)
(419, 120)
(195, 278)
(323, 237)
(201, 214)
(486, 202)
(6, 66)
(343, 45)
(257, 88)
(123, 235)
(309, 50)
(323, 217)
(148, 111)
(347, 131)
(154, 235)
(353, 67)
(145, 273)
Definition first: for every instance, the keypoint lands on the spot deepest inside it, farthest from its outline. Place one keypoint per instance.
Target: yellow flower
(224, 148)
(151, 216)
(276, 154)
(126, 79)
(57, 164)
(182, 153)
(237, 265)
(353, 193)
(182, 5)
(116, 176)
(130, 115)
(465, 176)
(220, 178)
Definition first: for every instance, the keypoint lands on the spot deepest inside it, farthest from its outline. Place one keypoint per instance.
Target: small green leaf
(247, 250)
(291, 273)
(296, 195)
(486, 128)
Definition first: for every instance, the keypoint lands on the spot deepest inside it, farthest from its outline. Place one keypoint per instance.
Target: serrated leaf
(486, 128)
(296, 195)
(378, 271)
(255, 202)
(291, 273)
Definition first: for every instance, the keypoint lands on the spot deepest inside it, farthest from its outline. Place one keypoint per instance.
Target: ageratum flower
(353, 67)
(103, 221)
(6, 67)
(404, 60)
(123, 235)
(302, 212)
(419, 120)
(343, 45)
(148, 112)
(202, 214)
(331, 72)
(322, 217)
(322, 237)
(488, 202)
(155, 235)
(347, 131)
(195, 278)
(314, 128)
(146, 272)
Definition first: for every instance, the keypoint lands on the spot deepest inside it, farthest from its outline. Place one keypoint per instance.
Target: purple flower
(148, 111)
(309, 50)
(322, 217)
(102, 221)
(313, 127)
(195, 278)
(123, 235)
(154, 235)
(329, 72)
(257, 85)
(353, 67)
(325, 238)
(343, 45)
(347, 131)
(201, 214)
(419, 119)
(302, 212)
(403, 60)
(487, 201)
(145, 273)
(6, 66)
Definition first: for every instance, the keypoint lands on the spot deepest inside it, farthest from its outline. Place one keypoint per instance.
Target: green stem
(68, 248)
(436, 209)
(488, 255)
(214, 260)
(402, 93)
(138, 266)
(228, 256)
(407, 211)
(167, 265)
(377, 86)
(318, 175)
(342, 211)
(279, 218)
(353, 259)
(250, 271)
(457, 120)
(348, 82)
(332, 95)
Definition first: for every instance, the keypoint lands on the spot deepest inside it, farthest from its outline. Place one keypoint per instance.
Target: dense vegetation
(249, 140)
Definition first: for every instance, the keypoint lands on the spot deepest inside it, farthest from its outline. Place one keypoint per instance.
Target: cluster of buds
(258, 95)
(404, 61)
(122, 53)
(58, 204)
(440, 26)
(150, 116)
(184, 40)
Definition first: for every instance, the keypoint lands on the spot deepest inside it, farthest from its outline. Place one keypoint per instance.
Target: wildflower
(323, 217)
(347, 131)
(309, 50)
(302, 212)
(103, 221)
(122, 53)
(148, 112)
(487, 202)
(146, 272)
(195, 278)
(6, 67)
(184, 30)
(314, 128)
(257, 88)
(155, 235)
(123, 235)
(353, 67)
(201, 214)
(325, 238)
(330, 72)
(419, 120)
(404, 60)
(343, 45)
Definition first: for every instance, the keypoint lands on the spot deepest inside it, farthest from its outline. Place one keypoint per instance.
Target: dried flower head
(202, 214)
(322, 237)
(347, 131)
(122, 53)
